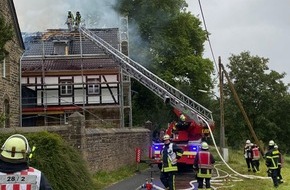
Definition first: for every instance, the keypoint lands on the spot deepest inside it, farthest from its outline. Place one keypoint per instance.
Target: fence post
(138, 157)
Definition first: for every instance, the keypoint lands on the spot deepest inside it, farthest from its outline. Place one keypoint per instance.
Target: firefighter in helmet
(169, 155)
(203, 164)
(272, 161)
(182, 124)
(248, 154)
(14, 163)
(78, 19)
(280, 164)
(70, 20)
(256, 155)
(256, 158)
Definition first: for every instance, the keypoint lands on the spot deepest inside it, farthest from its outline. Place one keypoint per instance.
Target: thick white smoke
(40, 15)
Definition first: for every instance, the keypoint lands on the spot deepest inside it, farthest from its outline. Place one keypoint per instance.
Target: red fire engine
(188, 137)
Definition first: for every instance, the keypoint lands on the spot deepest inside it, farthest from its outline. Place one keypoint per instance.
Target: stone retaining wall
(103, 149)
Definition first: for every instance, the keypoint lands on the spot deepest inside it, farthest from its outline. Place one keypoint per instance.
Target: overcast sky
(259, 26)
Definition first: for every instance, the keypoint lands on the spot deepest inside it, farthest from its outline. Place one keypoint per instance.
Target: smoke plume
(40, 15)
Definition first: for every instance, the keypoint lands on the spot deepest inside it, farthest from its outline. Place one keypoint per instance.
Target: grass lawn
(239, 177)
(234, 181)
(104, 178)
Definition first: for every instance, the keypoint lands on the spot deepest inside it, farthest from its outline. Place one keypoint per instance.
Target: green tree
(6, 34)
(262, 93)
(167, 40)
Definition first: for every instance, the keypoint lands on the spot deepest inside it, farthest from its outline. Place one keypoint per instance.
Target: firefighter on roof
(169, 155)
(78, 19)
(70, 20)
(203, 164)
(14, 165)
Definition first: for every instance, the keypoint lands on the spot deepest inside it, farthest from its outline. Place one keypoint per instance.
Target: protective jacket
(256, 153)
(169, 154)
(78, 18)
(248, 152)
(21, 176)
(203, 162)
(182, 125)
(272, 159)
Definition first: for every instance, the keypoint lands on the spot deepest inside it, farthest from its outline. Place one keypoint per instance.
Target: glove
(269, 173)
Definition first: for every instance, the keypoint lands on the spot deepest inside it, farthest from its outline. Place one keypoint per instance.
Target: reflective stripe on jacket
(24, 180)
(272, 159)
(169, 154)
(204, 173)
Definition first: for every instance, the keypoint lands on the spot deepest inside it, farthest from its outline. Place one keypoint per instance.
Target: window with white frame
(66, 87)
(66, 115)
(5, 69)
(93, 86)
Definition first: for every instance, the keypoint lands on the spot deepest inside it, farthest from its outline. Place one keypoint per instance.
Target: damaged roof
(67, 64)
(40, 51)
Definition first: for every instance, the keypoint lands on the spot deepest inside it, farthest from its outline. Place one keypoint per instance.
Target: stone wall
(10, 85)
(103, 149)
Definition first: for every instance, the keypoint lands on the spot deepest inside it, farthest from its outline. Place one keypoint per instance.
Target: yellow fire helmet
(166, 137)
(182, 117)
(15, 148)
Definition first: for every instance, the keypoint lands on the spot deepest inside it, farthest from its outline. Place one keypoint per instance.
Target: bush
(63, 166)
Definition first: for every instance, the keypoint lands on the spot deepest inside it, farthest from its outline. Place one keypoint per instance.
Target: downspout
(20, 90)
(82, 73)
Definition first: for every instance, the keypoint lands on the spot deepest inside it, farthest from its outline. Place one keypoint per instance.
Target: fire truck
(188, 137)
(197, 115)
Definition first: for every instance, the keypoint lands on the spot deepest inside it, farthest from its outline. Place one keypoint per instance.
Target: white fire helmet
(204, 145)
(15, 148)
(248, 141)
(271, 143)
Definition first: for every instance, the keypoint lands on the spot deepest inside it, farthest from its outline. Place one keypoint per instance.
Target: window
(60, 47)
(93, 86)
(5, 69)
(66, 115)
(6, 114)
(66, 88)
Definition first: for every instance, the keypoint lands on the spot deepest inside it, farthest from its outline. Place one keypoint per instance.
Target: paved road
(137, 180)
(132, 183)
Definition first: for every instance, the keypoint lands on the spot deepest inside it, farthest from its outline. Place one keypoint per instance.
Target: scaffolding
(61, 53)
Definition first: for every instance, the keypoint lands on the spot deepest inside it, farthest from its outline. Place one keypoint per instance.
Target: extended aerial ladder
(158, 86)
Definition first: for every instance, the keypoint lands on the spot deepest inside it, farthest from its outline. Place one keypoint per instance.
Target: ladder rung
(151, 81)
